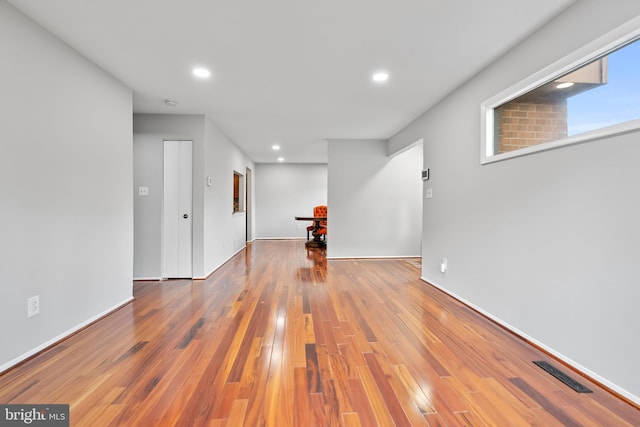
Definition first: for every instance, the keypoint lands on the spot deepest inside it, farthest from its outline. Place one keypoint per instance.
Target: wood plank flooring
(279, 336)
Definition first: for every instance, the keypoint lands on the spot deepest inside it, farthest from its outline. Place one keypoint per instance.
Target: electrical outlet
(33, 306)
(443, 265)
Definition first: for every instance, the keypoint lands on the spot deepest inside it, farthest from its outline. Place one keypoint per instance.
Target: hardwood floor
(280, 336)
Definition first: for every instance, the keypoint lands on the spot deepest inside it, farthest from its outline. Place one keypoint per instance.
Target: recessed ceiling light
(281, 159)
(203, 73)
(564, 85)
(170, 103)
(380, 77)
(275, 147)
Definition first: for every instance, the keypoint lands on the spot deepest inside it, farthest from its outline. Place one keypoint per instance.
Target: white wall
(65, 178)
(546, 243)
(284, 191)
(375, 201)
(149, 133)
(217, 232)
(224, 232)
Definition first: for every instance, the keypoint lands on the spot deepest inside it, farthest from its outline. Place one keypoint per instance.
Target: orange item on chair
(319, 211)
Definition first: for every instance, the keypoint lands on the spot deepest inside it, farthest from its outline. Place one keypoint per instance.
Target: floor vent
(575, 385)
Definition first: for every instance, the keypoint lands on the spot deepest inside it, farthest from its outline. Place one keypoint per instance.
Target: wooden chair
(321, 211)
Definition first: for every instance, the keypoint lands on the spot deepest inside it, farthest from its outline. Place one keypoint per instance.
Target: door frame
(248, 204)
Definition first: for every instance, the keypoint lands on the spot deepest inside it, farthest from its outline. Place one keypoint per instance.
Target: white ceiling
(292, 72)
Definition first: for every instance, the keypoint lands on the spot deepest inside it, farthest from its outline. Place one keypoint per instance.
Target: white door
(176, 219)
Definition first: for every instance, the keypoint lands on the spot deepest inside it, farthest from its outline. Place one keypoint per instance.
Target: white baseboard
(221, 264)
(622, 392)
(374, 257)
(280, 238)
(149, 279)
(62, 336)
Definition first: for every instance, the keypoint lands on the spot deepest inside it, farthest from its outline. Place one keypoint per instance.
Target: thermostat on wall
(425, 175)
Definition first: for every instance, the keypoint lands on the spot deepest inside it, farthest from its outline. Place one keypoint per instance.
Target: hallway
(280, 336)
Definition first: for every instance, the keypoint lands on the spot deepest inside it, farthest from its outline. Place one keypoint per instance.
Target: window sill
(619, 129)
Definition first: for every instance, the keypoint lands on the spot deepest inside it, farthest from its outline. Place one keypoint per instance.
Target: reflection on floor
(416, 262)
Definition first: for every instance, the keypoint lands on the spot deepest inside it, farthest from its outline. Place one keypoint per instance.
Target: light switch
(143, 191)
(428, 193)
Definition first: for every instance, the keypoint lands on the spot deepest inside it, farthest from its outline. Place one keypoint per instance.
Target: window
(238, 192)
(588, 98)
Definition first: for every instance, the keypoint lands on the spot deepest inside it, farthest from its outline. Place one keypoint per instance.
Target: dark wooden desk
(316, 242)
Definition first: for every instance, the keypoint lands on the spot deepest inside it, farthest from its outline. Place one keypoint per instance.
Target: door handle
(185, 216)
